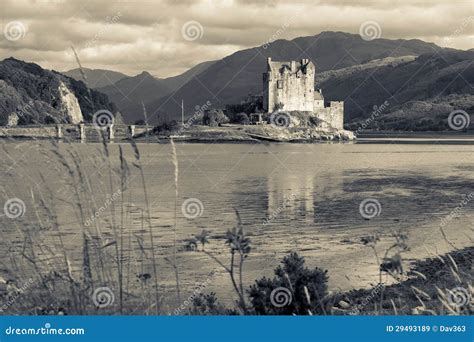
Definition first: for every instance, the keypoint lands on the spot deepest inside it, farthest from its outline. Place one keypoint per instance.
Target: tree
(214, 117)
(242, 118)
(252, 104)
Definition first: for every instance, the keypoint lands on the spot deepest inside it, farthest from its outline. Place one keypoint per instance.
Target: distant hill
(431, 77)
(129, 93)
(409, 75)
(232, 78)
(426, 115)
(95, 78)
(376, 63)
(30, 94)
(176, 82)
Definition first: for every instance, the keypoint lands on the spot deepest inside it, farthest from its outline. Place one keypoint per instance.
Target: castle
(289, 86)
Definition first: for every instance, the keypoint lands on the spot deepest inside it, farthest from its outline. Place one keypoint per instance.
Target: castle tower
(289, 86)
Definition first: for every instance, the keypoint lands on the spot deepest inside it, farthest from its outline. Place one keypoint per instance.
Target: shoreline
(328, 250)
(235, 134)
(166, 140)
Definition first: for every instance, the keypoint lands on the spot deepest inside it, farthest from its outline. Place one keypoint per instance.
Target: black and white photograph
(237, 158)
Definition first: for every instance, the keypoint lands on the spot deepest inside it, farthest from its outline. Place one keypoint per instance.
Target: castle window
(280, 84)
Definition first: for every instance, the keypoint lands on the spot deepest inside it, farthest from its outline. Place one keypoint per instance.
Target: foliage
(428, 289)
(252, 104)
(207, 304)
(242, 118)
(240, 246)
(202, 238)
(238, 241)
(278, 106)
(214, 117)
(167, 127)
(308, 289)
(191, 244)
(33, 93)
(89, 100)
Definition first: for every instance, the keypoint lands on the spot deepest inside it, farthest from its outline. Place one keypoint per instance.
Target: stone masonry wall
(332, 114)
(296, 92)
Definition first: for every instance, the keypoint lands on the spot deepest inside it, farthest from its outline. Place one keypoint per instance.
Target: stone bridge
(75, 133)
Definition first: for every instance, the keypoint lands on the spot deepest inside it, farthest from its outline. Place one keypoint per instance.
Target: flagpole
(182, 112)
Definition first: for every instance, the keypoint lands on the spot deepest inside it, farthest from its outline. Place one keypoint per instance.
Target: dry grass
(440, 285)
(108, 257)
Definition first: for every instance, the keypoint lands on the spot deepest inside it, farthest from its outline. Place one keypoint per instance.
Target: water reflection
(288, 202)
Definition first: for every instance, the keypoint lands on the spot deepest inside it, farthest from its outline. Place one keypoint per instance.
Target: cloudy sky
(167, 37)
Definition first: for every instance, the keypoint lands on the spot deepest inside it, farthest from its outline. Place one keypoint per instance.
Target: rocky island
(290, 109)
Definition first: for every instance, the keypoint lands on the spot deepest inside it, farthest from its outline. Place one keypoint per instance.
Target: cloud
(131, 36)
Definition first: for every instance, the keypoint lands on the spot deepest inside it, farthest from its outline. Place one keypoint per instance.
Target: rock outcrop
(30, 94)
(69, 104)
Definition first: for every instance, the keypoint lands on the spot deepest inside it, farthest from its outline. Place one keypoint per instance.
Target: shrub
(207, 304)
(252, 104)
(279, 106)
(307, 288)
(242, 118)
(166, 127)
(214, 117)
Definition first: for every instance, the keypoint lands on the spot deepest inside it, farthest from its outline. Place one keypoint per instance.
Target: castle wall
(290, 86)
(333, 114)
(318, 104)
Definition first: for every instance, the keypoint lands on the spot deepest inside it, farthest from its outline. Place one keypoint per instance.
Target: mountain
(376, 63)
(30, 94)
(434, 78)
(423, 115)
(129, 93)
(176, 82)
(232, 78)
(409, 75)
(95, 78)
